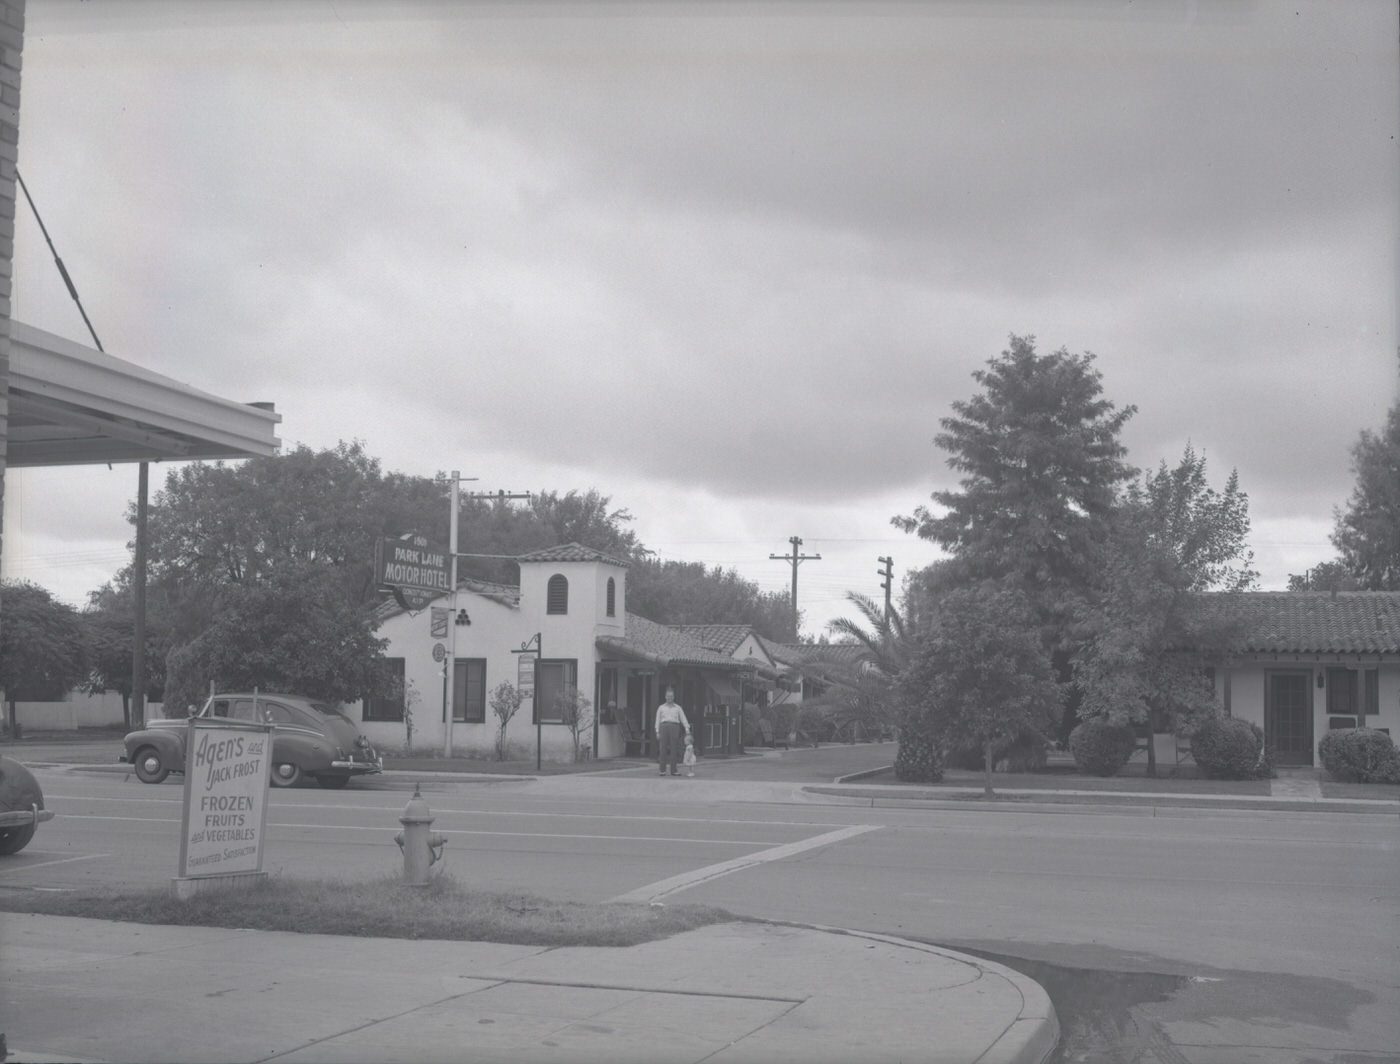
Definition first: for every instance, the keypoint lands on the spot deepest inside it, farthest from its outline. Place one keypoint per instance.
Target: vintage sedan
(21, 806)
(309, 738)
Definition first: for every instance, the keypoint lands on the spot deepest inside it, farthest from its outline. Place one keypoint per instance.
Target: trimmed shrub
(1101, 748)
(1360, 755)
(1227, 748)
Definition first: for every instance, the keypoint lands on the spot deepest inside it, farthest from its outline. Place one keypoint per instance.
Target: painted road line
(663, 888)
(61, 860)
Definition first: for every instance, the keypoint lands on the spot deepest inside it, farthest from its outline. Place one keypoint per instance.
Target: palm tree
(861, 682)
(886, 646)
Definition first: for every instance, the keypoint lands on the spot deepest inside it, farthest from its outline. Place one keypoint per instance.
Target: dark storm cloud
(754, 253)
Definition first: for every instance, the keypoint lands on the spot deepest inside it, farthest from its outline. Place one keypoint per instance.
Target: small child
(689, 756)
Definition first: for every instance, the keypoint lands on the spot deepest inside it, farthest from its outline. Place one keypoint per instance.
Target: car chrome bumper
(20, 817)
(359, 768)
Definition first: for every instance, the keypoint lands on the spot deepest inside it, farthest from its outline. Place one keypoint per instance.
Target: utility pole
(449, 675)
(887, 571)
(795, 558)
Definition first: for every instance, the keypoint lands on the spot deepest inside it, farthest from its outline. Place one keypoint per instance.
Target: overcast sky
(726, 263)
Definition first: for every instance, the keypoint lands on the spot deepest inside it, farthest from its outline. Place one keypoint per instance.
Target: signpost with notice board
(227, 768)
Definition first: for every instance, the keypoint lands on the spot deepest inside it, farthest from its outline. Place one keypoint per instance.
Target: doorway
(1288, 717)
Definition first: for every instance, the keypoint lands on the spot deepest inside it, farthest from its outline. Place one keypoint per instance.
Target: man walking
(671, 726)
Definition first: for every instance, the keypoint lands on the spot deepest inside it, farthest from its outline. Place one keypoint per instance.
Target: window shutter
(557, 597)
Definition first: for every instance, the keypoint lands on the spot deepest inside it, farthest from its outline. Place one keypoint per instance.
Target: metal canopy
(74, 405)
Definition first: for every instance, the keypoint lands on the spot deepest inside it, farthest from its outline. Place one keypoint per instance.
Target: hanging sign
(415, 570)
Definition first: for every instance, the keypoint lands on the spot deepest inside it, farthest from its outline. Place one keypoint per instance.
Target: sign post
(528, 683)
(227, 768)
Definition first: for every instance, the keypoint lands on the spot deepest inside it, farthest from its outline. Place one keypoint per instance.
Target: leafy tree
(43, 652)
(286, 632)
(1367, 534)
(980, 676)
(1324, 576)
(111, 631)
(675, 592)
(263, 573)
(493, 531)
(214, 524)
(505, 702)
(1149, 632)
(1041, 466)
(575, 713)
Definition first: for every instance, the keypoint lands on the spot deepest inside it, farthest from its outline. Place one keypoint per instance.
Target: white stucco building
(571, 603)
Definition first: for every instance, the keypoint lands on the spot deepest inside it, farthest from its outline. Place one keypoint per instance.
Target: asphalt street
(1195, 931)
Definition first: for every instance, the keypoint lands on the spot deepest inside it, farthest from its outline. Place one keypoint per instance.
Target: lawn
(383, 908)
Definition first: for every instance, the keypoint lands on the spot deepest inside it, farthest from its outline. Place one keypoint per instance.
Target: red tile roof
(722, 638)
(799, 654)
(571, 552)
(1348, 622)
(648, 641)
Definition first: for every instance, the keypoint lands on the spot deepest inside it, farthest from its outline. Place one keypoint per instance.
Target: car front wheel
(286, 775)
(149, 766)
(12, 840)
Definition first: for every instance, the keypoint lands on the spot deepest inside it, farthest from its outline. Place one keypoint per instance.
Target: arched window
(612, 597)
(557, 598)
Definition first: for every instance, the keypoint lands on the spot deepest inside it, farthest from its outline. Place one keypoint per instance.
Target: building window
(1341, 692)
(391, 679)
(612, 597)
(1371, 706)
(557, 598)
(469, 690)
(557, 679)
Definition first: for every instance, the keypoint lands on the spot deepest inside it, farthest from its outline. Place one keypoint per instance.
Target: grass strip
(384, 908)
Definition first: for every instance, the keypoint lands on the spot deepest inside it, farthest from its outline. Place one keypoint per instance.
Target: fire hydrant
(421, 848)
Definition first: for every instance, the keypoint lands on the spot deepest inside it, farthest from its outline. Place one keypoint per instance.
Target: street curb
(1120, 804)
(1031, 1038)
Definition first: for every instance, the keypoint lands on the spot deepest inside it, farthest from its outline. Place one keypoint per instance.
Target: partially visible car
(310, 738)
(21, 806)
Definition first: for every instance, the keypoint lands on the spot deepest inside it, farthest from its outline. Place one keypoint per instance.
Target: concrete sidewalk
(87, 990)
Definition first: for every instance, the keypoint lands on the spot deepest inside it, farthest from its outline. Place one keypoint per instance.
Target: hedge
(1228, 748)
(1360, 755)
(1101, 748)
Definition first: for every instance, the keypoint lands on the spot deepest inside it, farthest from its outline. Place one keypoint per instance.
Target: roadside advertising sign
(415, 570)
(227, 768)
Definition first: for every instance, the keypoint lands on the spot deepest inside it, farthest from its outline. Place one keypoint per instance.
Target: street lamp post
(449, 675)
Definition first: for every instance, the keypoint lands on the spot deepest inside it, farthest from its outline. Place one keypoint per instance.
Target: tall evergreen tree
(1041, 466)
(1367, 533)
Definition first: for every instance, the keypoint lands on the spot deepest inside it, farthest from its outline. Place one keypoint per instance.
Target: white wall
(78, 710)
(1247, 693)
